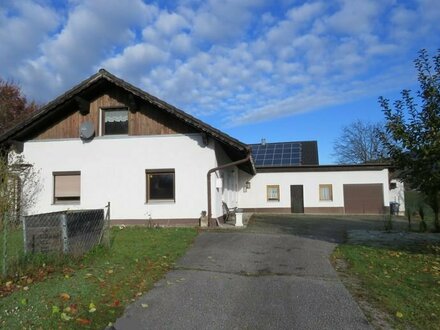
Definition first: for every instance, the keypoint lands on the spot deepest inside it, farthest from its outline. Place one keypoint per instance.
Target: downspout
(212, 170)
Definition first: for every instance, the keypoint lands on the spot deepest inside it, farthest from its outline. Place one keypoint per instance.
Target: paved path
(260, 278)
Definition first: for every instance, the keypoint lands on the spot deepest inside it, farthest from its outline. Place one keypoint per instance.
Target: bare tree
(360, 142)
(19, 186)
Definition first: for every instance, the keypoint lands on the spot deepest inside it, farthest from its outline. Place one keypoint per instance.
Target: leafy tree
(13, 105)
(360, 142)
(414, 129)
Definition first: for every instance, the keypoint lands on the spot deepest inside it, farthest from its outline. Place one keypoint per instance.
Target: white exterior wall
(398, 195)
(255, 197)
(224, 184)
(113, 170)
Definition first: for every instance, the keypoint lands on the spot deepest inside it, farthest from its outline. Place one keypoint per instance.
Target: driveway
(275, 274)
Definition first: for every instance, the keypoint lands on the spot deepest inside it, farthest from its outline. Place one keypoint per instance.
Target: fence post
(107, 224)
(23, 221)
(5, 245)
(64, 233)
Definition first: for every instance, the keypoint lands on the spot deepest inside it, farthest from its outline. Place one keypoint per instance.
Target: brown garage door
(363, 198)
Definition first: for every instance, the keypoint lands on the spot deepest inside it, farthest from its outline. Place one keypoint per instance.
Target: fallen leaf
(116, 303)
(84, 321)
(65, 317)
(73, 309)
(399, 315)
(24, 301)
(144, 305)
(92, 308)
(55, 309)
(25, 288)
(64, 296)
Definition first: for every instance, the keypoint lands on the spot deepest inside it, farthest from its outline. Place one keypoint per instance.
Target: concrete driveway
(275, 274)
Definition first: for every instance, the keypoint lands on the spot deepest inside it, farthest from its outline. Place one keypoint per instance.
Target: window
(325, 192)
(67, 187)
(160, 185)
(114, 121)
(273, 193)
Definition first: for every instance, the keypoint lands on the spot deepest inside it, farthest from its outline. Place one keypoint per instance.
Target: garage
(363, 198)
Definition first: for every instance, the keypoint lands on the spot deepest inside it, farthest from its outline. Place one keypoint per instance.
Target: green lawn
(90, 293)
(414, 202)
(403, 282)
(14, 246)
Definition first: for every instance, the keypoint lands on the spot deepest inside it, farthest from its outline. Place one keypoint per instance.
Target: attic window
(114, 121)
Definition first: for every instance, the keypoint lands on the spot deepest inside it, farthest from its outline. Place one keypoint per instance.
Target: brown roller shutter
(363, 198)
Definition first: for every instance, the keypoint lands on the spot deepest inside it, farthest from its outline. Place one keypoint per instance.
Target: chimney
(263, 141)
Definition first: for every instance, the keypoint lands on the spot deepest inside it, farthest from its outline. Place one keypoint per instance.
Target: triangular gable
(79, 97)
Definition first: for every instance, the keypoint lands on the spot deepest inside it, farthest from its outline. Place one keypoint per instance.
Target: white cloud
(355, 17)
(134, 57)
(92, 30)
(243, 60)
(223, 21)
(23, 27)
(170, 23)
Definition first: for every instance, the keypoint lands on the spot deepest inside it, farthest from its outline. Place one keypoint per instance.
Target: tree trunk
(436, 221)
(435, 208)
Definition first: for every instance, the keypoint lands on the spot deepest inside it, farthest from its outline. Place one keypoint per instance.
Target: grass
(14, 246)
(405, 282)
(90, 293)
(414, 201)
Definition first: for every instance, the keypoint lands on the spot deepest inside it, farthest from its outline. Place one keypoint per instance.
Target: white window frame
(322, 196)
(273, 193)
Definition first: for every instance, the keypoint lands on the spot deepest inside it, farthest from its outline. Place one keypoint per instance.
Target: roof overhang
(75, 97)
(325, 168)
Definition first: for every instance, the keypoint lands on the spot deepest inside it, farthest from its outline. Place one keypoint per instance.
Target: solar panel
(277, 154)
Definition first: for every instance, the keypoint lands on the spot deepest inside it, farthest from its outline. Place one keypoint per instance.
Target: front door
(297, 199)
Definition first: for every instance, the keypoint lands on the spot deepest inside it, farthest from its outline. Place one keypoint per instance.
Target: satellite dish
(86, 130)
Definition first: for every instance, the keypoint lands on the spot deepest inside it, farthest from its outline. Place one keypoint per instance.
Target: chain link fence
(70, 232)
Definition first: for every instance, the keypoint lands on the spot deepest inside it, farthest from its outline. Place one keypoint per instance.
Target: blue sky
(281, 70)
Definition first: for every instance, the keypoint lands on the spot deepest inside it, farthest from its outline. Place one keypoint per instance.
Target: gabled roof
(237, 148)
(285, 154)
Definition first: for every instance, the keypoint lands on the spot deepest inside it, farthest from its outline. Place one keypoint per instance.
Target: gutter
(212, 170)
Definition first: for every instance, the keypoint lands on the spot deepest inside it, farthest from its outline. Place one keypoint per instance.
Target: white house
(108, 141)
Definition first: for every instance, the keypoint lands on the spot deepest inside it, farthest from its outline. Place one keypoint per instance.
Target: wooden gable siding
(146, 120)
